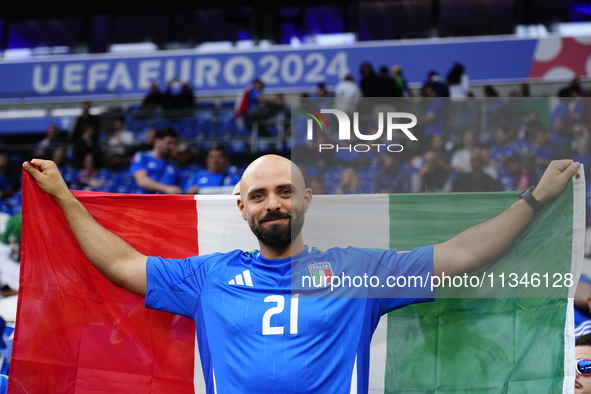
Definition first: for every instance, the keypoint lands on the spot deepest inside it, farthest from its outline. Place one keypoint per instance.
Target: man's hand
(554, 180)
(173, 190)
(49, 178)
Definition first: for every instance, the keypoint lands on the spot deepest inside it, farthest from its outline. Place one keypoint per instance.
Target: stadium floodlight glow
(17, 54)
(23, 113)
(335, 39)
(245, 44)
(76, 111)
(134, 47)
(576, 29)
(219, 46)
(531, 31)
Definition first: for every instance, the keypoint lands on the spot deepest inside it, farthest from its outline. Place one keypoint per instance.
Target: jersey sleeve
(136, 164)
(192, 181)
(413, 272)
(174, 285)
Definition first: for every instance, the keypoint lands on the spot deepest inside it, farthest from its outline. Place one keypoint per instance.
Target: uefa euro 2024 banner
(285, 69)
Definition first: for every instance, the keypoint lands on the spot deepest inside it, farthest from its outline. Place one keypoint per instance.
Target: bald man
(255, 335)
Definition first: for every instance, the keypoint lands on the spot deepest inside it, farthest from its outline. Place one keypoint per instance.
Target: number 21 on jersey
(293, 314)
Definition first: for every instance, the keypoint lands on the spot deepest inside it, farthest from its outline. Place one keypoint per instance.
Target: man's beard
(277, 235)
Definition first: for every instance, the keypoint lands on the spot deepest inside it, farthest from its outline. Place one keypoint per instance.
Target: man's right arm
(145, 182)
(111, 255)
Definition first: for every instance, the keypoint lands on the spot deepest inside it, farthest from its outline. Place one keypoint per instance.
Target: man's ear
(307, 199)
(241, 208)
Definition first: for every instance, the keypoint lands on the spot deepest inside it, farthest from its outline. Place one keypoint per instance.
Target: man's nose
(273, 202)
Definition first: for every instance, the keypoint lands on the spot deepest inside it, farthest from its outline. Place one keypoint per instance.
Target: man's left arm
(481, 244)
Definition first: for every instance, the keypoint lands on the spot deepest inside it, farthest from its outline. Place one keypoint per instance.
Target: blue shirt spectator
(503, 148)
(559, 123)
(215, 179)
(437, 117)
(393, 178)
(152, 170)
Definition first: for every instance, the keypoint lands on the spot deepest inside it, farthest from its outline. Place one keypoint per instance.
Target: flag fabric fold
(78, 333)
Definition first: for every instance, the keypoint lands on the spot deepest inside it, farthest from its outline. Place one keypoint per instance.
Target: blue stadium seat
(161, 122)
(227, 124)
(237, 147)
(134, 108)
(228, 105)
(187, 128)
(204, 124)
(210, 105)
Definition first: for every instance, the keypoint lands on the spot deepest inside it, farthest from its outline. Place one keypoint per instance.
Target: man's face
(500, 136)
(216, 162)
(274, 204)
(582, 383)
(165, 146)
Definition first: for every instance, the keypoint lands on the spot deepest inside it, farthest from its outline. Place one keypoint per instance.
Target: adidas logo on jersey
(242, 279)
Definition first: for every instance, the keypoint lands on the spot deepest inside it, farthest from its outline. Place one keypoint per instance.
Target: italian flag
(78, 333)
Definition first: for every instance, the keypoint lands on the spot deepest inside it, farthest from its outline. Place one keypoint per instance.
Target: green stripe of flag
(481, 345)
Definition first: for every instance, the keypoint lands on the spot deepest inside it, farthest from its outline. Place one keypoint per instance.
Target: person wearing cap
(583, 364)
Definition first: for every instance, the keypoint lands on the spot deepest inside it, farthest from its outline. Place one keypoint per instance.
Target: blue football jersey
(259, 331)
(159, 170)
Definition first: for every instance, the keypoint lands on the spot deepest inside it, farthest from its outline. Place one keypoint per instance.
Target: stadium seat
(186, 128)
(204, 124)
(209, 105)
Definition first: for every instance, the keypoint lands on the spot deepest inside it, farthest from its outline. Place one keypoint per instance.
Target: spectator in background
(148, 142)
(370, 83)
(434, 177)
(321, 98)
(152, 170)
(392, 178)
(458, 82)
(489, 167)
(582, 360)
(51, 141)
(435, 81)
(68, 172)
(10, 178)
(178, 95)
(318, 185)
(214, 177)
(260, 107)
(582, 306)
(349, 183)
(87, 143)
(494, 108)
(562, 132)
(119, 141)
(154, 99)
(476, 180)
(436, 116)
(87, 178)
(576, 83)
(524, 88)
(503, 148)
(400, 81)
(530, 126)
(437, 145)
(579, 117)
(462, 158)
(387, 84)
(347, 93)
(540, 147)
(82, 124)
(514, 175)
